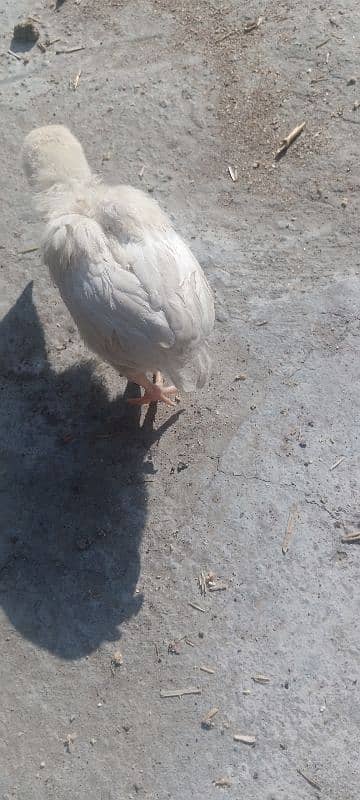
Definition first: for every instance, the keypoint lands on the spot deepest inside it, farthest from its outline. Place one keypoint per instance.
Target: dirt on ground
(153, 570)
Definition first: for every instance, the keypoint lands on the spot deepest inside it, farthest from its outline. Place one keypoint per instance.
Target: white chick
(135, 291)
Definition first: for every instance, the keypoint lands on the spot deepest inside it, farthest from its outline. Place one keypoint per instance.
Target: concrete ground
(107, 521)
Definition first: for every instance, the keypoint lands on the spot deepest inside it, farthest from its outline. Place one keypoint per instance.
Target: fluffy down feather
(136, 292)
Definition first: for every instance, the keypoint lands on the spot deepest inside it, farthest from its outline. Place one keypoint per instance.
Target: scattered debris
(179, 692)
(208, 669)
(224, 783)
(189, 642)
(337, 463)
(207, 722)
(311, 781)
(67, 438)
(181, 466)
(174, 648)
(246, 692)
(209, 582)
(351, 82)
(356, 105)
(241, 377)
(198, 608)
(74, 82)
(92, 742)
(253, 26)
(43, 46)
(117, 660)
(141, 173)
(289, 529)
(71, 50)
(349, 538)
(344, 202)
(83, 543)
(210, 579)
(26, 31)
(261, 323)
(69, 741)
(233, 173)
(259, 678)
(288, 140)
(245, 738)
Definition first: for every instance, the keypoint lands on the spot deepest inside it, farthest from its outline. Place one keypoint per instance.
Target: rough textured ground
(106, 523)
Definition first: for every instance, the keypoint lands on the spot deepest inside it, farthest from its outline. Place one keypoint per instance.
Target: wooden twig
(337, 463)
(259, 678)
(179, 692)
(349, 538)
(233, 173)
(289, 140)
(202, 583)
(309, 780)
(75, 82)
(198, 608)
(245, 738)
(322, 43)
(208, 670)
(14, 55)
(223, 782)
(219, 587)
(289, 529)
(29, 250)
(71, 50)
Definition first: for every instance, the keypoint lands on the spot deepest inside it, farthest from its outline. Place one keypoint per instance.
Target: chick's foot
(155, 392)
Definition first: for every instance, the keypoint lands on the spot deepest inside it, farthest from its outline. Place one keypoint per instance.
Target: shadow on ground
(73, 472)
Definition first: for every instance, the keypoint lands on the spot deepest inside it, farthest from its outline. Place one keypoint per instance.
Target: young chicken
(135, 291)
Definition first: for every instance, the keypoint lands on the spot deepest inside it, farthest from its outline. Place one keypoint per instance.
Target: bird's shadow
(73, 472)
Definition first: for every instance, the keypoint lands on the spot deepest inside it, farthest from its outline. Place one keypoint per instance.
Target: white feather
(134, 289)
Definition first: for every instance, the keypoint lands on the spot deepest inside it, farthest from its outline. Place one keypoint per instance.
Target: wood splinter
(288, 140)
(289, 529)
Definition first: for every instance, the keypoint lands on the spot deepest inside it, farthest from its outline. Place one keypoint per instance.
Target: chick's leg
(155, 392)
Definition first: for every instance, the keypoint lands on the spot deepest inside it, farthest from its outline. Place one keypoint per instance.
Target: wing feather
(144, 305)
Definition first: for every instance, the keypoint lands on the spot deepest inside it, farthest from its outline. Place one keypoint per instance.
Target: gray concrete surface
(107, 520)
